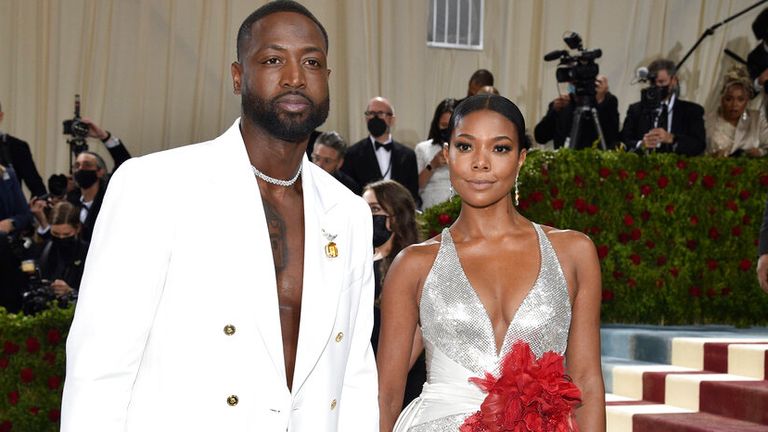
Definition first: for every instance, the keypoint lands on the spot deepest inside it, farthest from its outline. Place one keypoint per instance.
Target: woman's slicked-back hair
(497, 104)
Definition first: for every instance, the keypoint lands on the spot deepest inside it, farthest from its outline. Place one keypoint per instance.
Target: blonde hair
(737, 76)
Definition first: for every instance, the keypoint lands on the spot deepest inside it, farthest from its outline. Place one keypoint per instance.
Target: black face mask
(445, 135)
(64, 246)
(85, 178)
(377, 126)
(380, 232)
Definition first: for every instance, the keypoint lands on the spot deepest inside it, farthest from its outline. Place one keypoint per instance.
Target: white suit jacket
(177, 325)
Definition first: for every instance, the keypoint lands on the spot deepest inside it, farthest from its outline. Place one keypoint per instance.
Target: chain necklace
(274, 181)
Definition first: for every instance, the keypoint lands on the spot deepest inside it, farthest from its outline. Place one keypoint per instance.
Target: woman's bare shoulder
(420, 254)
(570, 243)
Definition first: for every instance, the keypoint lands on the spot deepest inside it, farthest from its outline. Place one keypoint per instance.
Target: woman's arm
(583, 353)
(399, 316)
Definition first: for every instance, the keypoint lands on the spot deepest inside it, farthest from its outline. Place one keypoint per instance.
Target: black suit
(74, 197)
(556, 125)
(14, 151)
(757, 61)
(687, 127)
(361, 164)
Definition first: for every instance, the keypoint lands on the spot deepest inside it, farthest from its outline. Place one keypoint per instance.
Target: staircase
(685, 379)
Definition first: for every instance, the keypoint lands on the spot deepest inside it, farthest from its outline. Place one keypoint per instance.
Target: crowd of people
(336, 293)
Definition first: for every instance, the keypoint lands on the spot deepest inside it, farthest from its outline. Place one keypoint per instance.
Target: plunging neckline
(484, 309)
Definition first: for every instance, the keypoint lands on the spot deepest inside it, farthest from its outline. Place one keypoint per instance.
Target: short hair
(446, 106)
(497, 104)
(737, 76)
(333, 140)
(482, 77)
(99, 160)
(244, 34)
(65, 213)
(662, 64)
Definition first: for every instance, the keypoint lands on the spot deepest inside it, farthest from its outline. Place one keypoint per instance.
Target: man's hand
(754, 152)
(6, 225)
(601, 88)
(61, 288)
(763, 77)
(438, 160)
(762, 272)
(37, 207)
(656, 137)
(561, 102)
(94, 131)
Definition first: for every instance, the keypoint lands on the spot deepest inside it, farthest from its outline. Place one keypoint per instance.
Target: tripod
(581, 114)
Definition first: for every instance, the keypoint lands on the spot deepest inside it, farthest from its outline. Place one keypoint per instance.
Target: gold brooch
(331, 250)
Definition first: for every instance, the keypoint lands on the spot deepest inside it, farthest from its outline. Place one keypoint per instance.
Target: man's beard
(282, 125)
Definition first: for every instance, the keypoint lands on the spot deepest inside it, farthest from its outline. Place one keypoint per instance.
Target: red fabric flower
(10, 347)
(662, 182)
(27, 375)
(674, 271)
(557, 204)
(530, 395)
(708, 182)
(50, 357)
(714, 234)
(632, 282)
(554, 191)
(54, 415)
(681, 164)
(54, 382)
(604, 172)
(645, 190)
(4, 362)
(635, 234)
(745, 264)
(660, 261)
(33, 345)
(607, 295)
(6, 426)
(694, 220)
(592, 209)
(645, 215)
(736, 231)
(640, 174)
(617, 274)
(732, 206)
(537, 196)
(629, 220)
(623, 174)
(650, 244)
(34, 410)
(635, 258)
(744, 195)
(711, 264)
(736, 171)
(602, 251)
(764, 180)
(692, 177)
(53, 336)
(580, 205)
(694, 291)
(13, 397)
(578, 181)
(444, 219)
(669, 209)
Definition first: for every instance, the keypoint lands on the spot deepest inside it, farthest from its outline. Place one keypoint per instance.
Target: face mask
(377, 126)
(664, 92)
(65, 245)
(380, 232)
(85, 178)
(445, 135)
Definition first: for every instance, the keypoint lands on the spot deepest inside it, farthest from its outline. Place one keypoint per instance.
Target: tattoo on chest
(277, 236)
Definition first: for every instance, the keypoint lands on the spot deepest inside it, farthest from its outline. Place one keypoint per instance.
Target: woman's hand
(61, 288)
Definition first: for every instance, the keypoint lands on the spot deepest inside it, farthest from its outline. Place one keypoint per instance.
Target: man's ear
(341, 162)
(237, 72)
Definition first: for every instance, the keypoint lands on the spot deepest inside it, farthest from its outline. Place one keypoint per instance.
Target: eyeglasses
(324, 160)
(379, 114)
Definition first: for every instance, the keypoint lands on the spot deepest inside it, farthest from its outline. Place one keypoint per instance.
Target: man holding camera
(15, 152)
(668, 124)
(557, 123)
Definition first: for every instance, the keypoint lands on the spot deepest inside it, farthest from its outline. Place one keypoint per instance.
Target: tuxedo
(687, 127)
(361, 164)
(14, 151)
(178, 328)
(74, 197)
(556, 125)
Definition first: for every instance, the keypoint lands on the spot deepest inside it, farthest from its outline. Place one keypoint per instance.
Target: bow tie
(385, 146)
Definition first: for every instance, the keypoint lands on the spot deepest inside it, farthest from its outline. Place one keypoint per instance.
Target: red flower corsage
(530, 395)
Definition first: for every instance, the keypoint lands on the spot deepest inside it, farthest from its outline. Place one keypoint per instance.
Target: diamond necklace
(274, 181)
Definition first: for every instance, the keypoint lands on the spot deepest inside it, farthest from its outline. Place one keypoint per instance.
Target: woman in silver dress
(490, 280)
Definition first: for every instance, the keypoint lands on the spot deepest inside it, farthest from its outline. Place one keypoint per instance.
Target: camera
(77, 130)
(580, 69)
(652, 96)
(38, 297)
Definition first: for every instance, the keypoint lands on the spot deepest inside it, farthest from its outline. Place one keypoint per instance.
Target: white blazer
(177, 325)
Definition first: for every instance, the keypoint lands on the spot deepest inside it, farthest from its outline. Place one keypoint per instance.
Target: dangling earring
(451, 192)
(744, 115)
(517, 193)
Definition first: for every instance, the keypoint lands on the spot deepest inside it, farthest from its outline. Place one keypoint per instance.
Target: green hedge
(32, 369)
(676, 236)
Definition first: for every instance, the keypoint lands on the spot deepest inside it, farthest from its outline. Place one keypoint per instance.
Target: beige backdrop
(156, 72)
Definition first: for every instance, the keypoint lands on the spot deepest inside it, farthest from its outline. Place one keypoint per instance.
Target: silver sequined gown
(459, 338)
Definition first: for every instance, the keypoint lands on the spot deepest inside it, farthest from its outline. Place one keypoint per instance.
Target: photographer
(15, 153)
(14, 217)
(114, 145)
(41, 206)
(556, 124)
(664, 123)
(90, 174)
(63, 256)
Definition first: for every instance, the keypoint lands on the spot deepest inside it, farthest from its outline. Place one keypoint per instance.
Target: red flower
(604, 172)
(736, 171)
(629, 220)
(662, 182)
(544, 170)
(33, 345)
(580, 205)
(736, 231)
(529, 395)
(745, 265)
(524, 204)
(557, 204)
(10, 348)
(13, 397)
(592, 209)
(578, 181)
(50, 357)
(694, 291)
(650, 244)
(635, 258)
(708, 182)
(53, 336)
(632, 282)
(746, 220)
(711, 264)
(692, 244)
(54, 415)
(629, 196)
(660, 261)
(54, 381)
(764, 180)
(744, 195)
(4, 362)
(645, 190)
(640, 174)
(694, 220)
(537, 196)
(714, 234)
(594, 230)
(645, 215)
(607, 295)
(711, 292)
(444, 219)
(692, 177)
(27, 375)
(635, 234)
(623, 174)
(554, 191)
(34, 410)
(617, 275)
(681, 164)
(6, 426)
(602, 251)
(669, 209)
(732, 206)
(623, 238)
(674, 271)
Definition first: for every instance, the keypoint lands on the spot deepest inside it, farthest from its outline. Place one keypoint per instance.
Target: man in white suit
(266, 327)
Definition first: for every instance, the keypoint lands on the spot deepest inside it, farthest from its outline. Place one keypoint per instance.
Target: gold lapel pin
(331, 250)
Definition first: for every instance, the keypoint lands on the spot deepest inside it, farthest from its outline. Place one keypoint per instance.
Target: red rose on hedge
(580, 205)
(623, 174)
(764, 180)
(602, 251)
(54, 415)
(10, 347)
(53, 336)
(444, 219)
(13, 397)
(732, 206)
(578, 181)
(635, 234)
(650, 245)
(604, 172)
(645, 190)
(744, 195)
(623, 238)
(681, 164)
(708, 182)
(635, 258)
(34, 410)
(554, 191)
(694, 291)
(607, 295)
(632, 282)
(33, 345)
(712, 264)
(736, 170)
(645, 215)
(50, 357)
(537, 196)
(54, 382)
(592, 209)
(4, 362)
(557, 204)
(629, 220)
(745, 264)
(736, 231)
(617, 274)
(640, 174)
(694, 220)
(6, 426)
(692, 177)
(662, 182)
(27, 375)
(714, 234)
(669, 209)
(660, 261)
(674, 271)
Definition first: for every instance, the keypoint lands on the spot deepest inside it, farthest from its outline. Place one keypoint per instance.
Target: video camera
(77, 130)
(652, 96)
(580, 69)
